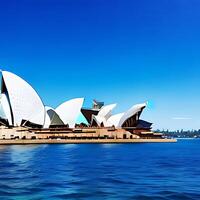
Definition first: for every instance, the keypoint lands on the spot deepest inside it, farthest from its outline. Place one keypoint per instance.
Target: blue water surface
(163, 171)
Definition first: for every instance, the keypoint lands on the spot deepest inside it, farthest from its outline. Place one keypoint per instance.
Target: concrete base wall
(69, 134)
(77, 141)
(15, 132)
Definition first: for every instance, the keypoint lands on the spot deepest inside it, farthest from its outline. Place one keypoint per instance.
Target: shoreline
(77, 141)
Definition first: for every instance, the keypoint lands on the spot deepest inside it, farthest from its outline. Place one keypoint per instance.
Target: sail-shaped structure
(129, 118)
(52, 118)
(69, 111)
(20, 101)
(103, 115)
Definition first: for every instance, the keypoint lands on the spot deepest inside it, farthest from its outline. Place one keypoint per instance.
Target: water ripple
(129, 171)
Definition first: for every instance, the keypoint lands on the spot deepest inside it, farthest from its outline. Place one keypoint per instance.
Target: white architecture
(6, 108)
(133, 111)
(69, 111)
(106, 119)
(52, 118)
(103, 115)
(22, 106)
(114, 120)
(20, 101)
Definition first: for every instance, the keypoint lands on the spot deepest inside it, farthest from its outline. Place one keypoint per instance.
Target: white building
(22, 106)
(126, 119)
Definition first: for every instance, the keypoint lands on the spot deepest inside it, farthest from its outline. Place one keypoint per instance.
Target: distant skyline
(124, 52)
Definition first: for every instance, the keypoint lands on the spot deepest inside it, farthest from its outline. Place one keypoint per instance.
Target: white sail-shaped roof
(99, 120)
(24, 101)
(52, 118)
(131, 112)
(114, 120)
(106, 111)
(104, 114)
(69, 111)
(6, 108)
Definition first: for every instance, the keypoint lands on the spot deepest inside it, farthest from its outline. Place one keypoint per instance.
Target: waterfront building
(103, 115)
(89, 112)
(22, 106)
(21, 102)
(52, 118)
(129, 120)
(69, 111)
(24, 115)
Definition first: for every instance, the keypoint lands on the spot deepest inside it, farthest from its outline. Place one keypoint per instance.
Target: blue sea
(163, 171)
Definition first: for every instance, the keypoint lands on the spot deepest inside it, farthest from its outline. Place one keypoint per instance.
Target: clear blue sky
(122, 51)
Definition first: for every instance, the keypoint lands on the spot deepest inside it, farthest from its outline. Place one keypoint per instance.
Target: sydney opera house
(23, 114)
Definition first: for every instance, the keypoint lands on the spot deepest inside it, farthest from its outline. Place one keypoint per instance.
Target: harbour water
(163, 171)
